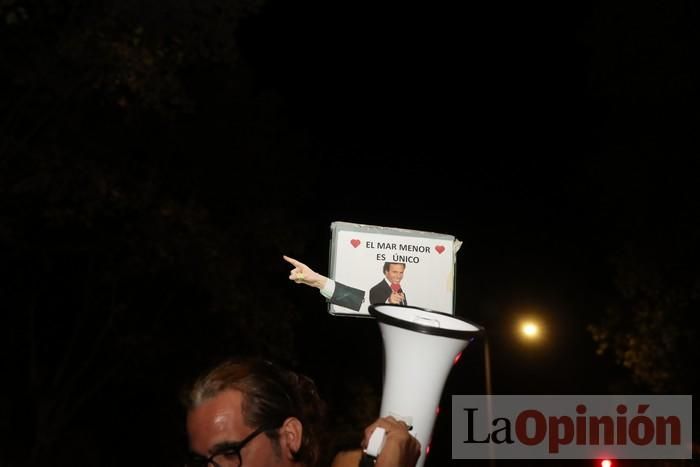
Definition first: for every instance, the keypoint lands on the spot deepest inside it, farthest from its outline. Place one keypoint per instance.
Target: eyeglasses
(226, 455)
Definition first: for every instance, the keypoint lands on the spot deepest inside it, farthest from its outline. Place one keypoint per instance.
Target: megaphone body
(420, 348)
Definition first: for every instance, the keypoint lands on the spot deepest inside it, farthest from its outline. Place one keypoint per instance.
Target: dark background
(156, 161)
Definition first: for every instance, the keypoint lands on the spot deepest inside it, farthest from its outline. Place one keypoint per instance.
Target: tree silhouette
(143, 203)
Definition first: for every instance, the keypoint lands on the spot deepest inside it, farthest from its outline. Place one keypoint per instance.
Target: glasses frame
(197, 460)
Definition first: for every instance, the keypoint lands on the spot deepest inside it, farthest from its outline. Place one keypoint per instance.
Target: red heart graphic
(439, 249)
(355, 242)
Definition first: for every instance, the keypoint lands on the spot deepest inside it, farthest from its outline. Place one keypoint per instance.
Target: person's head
(394, 272)
(277, 413)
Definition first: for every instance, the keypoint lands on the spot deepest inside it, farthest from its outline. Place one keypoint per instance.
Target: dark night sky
(548, 137)
(543, 136)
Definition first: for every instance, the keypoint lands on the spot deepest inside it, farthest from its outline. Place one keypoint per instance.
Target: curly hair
(271, 394)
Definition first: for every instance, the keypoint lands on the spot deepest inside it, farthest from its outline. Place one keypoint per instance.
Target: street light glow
(530, 330)
(530, 327)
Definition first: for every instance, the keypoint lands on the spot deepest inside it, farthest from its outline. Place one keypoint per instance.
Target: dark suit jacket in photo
(347, 296)
(381, 292)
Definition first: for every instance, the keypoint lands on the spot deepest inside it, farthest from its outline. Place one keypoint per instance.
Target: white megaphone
(420, 348)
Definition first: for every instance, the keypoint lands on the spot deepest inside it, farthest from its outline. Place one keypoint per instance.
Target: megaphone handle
(374, 447)
(376, 442)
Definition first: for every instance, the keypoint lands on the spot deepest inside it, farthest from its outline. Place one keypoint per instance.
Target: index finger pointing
(293, 262)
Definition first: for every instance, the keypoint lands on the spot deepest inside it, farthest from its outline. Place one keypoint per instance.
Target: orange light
(606, 463)
(530, 330)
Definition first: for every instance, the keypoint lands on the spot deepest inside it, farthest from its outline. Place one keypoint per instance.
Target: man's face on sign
(395, 273)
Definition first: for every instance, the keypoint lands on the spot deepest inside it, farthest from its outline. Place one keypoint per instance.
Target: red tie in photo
(396, 288)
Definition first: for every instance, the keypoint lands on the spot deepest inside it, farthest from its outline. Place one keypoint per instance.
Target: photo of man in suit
(389, 289)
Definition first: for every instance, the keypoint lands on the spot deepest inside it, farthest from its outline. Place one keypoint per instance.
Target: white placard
(359, 253)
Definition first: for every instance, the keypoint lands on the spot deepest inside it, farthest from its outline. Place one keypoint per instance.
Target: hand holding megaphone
(390, 442)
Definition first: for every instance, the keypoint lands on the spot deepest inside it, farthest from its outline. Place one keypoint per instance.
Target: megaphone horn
(420, 348)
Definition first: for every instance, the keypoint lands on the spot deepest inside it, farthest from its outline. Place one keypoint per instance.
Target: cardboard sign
(370, 263)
